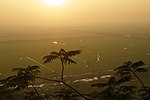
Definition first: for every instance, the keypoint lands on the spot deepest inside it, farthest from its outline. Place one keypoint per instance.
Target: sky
(75, 12)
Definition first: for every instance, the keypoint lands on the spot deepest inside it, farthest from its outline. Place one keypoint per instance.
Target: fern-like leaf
(141, 70)
(73, 53)
(137, 64)
(68, 61)
(18, 69)
(123, 79)
(49, 58)
(121, 67)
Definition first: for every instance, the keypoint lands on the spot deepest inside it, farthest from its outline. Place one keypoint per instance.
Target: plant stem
(139, 80)
(75, 90)
(66, 85)
(62, 71)
(35, 90)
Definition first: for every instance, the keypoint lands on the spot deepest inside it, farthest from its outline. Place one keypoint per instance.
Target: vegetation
(118, 87)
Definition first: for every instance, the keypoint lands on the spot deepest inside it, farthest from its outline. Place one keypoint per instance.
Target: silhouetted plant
(115, 90)
(23, 78)
(108, 93)
(63, 56)
(128, 69)
(94, 95)
(66, 94)
(144, 94)
(33, 96)
(6, 93)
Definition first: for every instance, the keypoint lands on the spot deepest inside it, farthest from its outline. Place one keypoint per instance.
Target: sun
(54, 2)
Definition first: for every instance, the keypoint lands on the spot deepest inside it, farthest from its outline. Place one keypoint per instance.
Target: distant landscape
(102, 50)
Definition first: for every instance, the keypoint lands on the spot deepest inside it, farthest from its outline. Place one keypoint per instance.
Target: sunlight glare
(54, 2)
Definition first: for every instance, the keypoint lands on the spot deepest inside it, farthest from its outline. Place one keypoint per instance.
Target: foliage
(114, 90)
(128, 69)
(63, 55)
(33, 96)
(23, 78)
(66, 94)
(117, 87)
(145, 94)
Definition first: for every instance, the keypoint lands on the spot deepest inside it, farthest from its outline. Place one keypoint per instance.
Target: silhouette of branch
(64, 58)
(49, 79)
(65, 85)
(75, 90)
(35, 90)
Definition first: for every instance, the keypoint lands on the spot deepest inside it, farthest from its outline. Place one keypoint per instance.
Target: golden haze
(75, 12)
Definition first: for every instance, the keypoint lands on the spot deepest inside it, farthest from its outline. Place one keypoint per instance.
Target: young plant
(63, 56)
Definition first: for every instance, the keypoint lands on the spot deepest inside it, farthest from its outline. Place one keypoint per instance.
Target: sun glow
(54, 2)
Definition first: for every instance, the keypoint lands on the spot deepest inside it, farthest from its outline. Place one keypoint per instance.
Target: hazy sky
(75, 12)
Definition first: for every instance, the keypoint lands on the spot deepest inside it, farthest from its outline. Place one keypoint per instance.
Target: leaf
(121, 67)
(18, 69)
(34, 67)
(128, 63)
(137, 64)
(62, 52)
(49, 58)
(127, 88)
(73, 53)
(122, 72)
(55, 53)
(111, 81)
(141, 70)
(145, 93)
(68, 61)
(123, 80)
(11, 78)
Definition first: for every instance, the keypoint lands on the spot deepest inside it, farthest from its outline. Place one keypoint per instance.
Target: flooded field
(100, 51)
